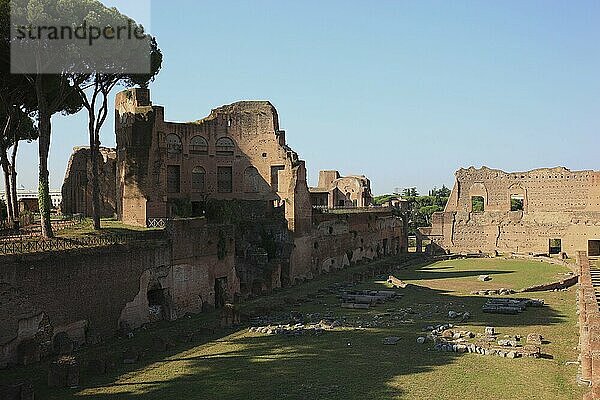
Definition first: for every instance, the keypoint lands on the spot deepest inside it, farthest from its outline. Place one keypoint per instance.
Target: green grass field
(349, 363)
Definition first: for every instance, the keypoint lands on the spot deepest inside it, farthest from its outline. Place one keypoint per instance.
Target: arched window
(173, 144)
(198, 145)
(198, 179)
(251, 180)
(225, 147)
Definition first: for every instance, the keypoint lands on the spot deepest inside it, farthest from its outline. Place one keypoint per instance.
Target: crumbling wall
(237, 152)
(91, 293)
(341, 239)
(556, 204)
(77, 188)
(47, 293)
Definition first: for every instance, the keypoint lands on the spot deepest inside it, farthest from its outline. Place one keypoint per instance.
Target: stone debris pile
(510, 305)
(364, 299)
(292, 330)
(447, 338)
(494, 292)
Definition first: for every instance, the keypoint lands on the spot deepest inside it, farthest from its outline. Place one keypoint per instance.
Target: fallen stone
(484, 278)
(421, 339)
(534, 339)
(392, 340)
(448, 334)
(489, 330)
(395, 282)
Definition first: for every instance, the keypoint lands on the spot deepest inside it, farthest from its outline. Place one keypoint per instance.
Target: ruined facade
(334, 190)
(548, 210)
(163, 275)
(234, 166)
(237, 152)
(250, 228)
(77, 188)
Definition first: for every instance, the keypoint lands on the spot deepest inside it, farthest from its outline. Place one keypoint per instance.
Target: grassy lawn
(351, 362)
(109, 226)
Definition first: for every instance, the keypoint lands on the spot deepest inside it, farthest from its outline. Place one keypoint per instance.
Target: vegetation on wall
(420, 208)
(478, 204)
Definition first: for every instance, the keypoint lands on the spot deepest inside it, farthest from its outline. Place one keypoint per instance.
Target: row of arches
(253, 182)
(199, 145)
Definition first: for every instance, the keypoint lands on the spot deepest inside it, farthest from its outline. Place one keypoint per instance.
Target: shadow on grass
(341, 364)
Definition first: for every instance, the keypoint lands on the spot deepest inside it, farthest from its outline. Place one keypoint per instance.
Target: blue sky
(405, 92)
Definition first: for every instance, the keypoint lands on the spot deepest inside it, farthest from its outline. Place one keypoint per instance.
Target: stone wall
(77, 188)
(556, 204)
(92, 293)
(341, 239)
(589, 328)
(237, 152)
(334, 190)
(80, 292)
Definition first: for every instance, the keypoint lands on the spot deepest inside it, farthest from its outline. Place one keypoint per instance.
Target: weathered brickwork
(334, 190)
(589, 328)
(92, 293)
(77, 188)
(237, 152)
(540, 211)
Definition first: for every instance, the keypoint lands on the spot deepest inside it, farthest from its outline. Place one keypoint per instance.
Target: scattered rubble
(395, 282)
(292, 330)
(494, 292)
(445, 339)
(364, 299)
(510, 305)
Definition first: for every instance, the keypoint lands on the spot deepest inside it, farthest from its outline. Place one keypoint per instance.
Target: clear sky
(405, 92)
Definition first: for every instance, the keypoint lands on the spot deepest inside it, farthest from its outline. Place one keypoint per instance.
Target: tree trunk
(94, 152)
(13, 184)
(5, 169)
(45, 128)
(9, 205)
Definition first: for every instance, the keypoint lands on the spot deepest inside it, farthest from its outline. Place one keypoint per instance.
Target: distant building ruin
(77, 187)
(334, 190)
(546, 211)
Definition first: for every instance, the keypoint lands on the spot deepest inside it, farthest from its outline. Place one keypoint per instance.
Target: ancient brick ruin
(545, 211)
(77, 188)
(237, 219)
(334, 190)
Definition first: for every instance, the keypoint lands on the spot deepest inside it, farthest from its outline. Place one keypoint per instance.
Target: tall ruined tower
(140, 194)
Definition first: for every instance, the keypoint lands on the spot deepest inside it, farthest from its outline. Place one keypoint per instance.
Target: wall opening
(517, 202)
(555, 246)
(224, 179)
(157, 303)
(594, 248)
(477, 204)
(221, 292)
(275, 176)
(173, 179)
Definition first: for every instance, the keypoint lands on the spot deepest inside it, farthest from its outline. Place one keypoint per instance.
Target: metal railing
(29, 245)
(351, 209)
